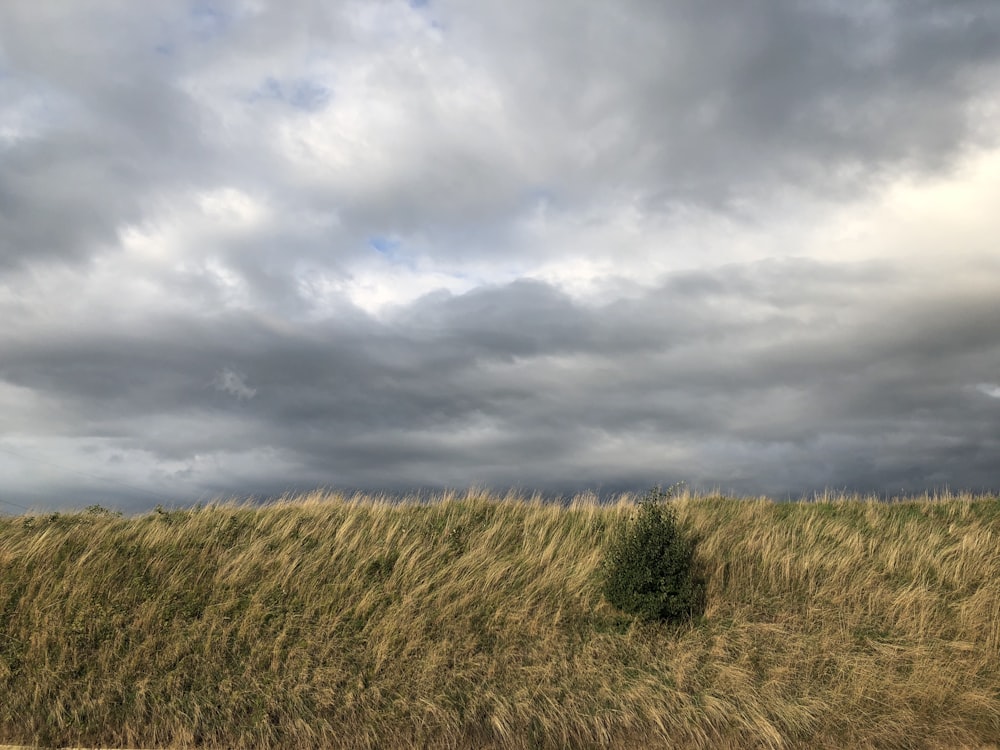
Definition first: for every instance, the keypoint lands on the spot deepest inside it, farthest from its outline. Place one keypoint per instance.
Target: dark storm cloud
(520, 385)
(531, 403)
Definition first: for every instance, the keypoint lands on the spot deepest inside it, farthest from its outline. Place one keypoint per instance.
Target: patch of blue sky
(208, 19)
(424, 8)
(308, 95)
(386, 246)
(300, 93)
(538, 195)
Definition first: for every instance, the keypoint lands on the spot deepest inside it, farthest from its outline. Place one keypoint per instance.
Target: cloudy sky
(250, 247)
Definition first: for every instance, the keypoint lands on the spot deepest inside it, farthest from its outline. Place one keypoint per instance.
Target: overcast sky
(250, 247)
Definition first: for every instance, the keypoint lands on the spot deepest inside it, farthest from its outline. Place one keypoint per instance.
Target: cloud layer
(248, 248)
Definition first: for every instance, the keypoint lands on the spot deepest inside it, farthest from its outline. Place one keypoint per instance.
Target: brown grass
(477, 621)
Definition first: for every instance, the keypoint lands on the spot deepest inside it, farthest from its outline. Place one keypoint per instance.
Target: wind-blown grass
(477, 621)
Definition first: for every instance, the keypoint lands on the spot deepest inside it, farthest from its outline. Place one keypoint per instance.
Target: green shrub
(649, 565)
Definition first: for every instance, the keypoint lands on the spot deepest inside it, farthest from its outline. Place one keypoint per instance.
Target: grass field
(477, 621)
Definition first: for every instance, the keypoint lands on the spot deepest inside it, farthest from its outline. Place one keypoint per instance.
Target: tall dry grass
(476, 621)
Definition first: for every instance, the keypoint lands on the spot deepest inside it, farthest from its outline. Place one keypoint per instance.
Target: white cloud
(990, 389)
(234, 384)
(233, 209)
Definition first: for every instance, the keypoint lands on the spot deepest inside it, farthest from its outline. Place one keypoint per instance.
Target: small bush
(649, 565)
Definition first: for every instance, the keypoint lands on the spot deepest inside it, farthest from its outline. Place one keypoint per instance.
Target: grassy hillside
(477, 621)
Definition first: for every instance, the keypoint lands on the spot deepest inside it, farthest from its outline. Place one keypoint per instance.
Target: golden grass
(477, 621)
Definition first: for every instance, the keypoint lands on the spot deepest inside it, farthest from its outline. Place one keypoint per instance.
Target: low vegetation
(649, 566)
(479, 621)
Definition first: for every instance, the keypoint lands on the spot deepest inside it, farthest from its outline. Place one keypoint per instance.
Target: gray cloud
(561, 246)
(519, 385)
(706, 101)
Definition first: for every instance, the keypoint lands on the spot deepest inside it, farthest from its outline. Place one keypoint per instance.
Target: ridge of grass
(477, 621)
